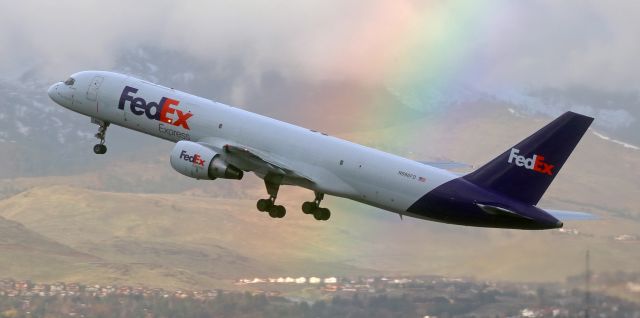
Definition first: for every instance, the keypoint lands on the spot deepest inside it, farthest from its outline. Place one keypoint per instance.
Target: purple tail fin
(525, 171)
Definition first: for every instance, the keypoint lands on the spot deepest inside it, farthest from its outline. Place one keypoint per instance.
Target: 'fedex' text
(196, 159)
(165, 111)
(535, 163)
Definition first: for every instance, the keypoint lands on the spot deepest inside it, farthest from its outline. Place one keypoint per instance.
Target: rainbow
(421, 53)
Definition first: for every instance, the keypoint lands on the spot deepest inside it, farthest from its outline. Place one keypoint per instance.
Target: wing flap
(273, 165)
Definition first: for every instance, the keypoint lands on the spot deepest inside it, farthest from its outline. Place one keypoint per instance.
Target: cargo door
(92, 92)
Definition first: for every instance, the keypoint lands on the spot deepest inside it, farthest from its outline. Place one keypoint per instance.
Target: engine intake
(197, 161)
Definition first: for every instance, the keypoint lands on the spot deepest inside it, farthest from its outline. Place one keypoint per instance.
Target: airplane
(214, 140)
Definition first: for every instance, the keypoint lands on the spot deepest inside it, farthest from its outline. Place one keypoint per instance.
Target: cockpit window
(70, 81)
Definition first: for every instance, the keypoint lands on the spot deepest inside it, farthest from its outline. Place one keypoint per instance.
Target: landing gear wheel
(322, 214)
(99, 149)
(277, 211)
(326, 214)
(308, 207)
(264, 205)
(313, 207)
(317, 214)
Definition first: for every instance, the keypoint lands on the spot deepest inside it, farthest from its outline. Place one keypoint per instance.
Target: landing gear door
(92, 92)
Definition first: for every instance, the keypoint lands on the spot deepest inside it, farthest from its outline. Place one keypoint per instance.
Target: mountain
(148, 225)
(127, 217)
(34, 128)
(617, 113)
(182, 240)
(26, 253)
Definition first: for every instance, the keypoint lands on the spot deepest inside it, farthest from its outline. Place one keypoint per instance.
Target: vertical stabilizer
(525, 171)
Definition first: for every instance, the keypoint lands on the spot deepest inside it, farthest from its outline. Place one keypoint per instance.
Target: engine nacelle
(197, 161)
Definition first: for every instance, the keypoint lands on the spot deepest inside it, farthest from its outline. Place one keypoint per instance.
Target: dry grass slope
(125, 224)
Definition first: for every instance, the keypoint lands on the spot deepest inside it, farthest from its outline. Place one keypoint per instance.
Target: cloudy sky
(494, 43)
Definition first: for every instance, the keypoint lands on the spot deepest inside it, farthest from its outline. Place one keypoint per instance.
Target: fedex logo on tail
(535, 163)
(196, 159)
(165, 111)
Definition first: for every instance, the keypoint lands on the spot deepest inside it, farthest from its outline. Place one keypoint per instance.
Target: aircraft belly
(393, 183)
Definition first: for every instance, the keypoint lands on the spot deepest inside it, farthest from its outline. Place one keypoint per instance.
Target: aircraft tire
(308, 207)
(326, 214)
(321, 214)
(277, 211)
(264, 205)
(281, 211)
(99, 149)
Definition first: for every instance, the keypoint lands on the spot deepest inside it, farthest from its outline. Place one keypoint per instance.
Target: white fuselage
(337, 167)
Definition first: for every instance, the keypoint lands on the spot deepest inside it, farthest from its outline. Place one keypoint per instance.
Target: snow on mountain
(617, 114)
(624, 144)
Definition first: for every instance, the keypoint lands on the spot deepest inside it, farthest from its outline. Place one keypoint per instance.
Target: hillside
(140, 222)
(171, 240)
(26, 253)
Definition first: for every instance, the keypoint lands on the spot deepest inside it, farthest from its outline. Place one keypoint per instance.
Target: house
(56, 287)
(401, 281)
(22, 285)
(330, 288)
(40, 289)
(330, 280)
(124, 290)
(73, 288)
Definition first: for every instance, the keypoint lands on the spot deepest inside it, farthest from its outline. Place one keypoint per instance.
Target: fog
(544, 57)
(531, 44)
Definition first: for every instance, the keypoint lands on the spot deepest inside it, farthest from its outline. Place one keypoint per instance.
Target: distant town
(617, 237)
(424, 296)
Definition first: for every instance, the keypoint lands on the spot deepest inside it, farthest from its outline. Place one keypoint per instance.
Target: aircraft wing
(563, 215)
(254, 156)
(260, 162)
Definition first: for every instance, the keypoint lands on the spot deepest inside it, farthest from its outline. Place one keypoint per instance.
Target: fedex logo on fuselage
(165, 111)
(196, 159)
(535, 163)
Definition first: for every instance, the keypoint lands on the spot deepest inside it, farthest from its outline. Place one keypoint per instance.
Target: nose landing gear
(100, 148)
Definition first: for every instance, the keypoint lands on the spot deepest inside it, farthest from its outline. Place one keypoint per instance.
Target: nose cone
(52, 92)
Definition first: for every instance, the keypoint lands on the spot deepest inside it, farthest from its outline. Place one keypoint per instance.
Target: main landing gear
(320, 214)
(100, 148)
(278, 211)
(268, 205)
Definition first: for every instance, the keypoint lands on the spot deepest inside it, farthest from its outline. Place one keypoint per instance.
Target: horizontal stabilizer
(563, 215)
(447, 165)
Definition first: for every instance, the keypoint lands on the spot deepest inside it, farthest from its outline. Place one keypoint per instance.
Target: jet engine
(197, 161)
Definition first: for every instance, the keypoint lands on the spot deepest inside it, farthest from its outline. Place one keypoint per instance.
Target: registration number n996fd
(408, 175)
